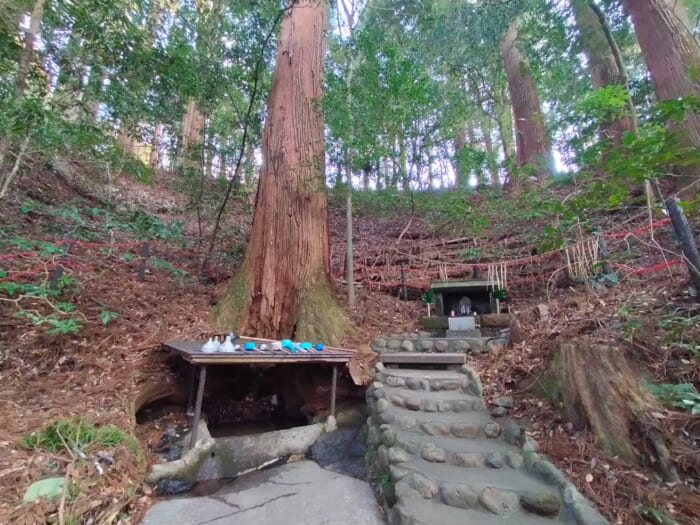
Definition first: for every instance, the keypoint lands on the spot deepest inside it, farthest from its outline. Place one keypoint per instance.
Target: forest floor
(98, 372)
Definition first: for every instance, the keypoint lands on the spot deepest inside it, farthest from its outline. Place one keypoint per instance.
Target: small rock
(49, 488)
(426, 345)
(398, 455)
(434, 454)
(529, 444)
(435, 428)
(461, 346)
(425, 335)
(429, 405)
(407, 346)
(550, 473)
(505, 402)
(499, 501)
(396, 400)
(412, 403)
(512, 434)
(393, 344)
(468, 459)
(385, 417)
(441, 345)
(495, 460)
(416, 384)
(499, 412)
(389, 438)
(544, 504)
(380, 393)
(424, 486)
(462, 405)
(445, 384)
(459, 496)
(492, 430)
(382, 405)
(409, 445)
(173, 486)
(466, 430)
(379, 343)
(396, 382)
(444, 406)
(514, 460)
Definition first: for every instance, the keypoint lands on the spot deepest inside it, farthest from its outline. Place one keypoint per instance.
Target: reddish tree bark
(283, 288)
(673, 58)
(532, 143)
(605, 69)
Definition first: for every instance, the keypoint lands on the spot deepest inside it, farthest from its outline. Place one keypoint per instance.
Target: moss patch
(321, 318)
(228, 312)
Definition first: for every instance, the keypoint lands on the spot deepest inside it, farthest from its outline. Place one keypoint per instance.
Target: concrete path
(295, 493)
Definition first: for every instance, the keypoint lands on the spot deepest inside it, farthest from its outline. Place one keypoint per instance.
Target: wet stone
(435, 428)
(544, 504)
(434, 454)
(468, 459)
(459, 496)
(173, 486)
(495, 460)
(499, 501)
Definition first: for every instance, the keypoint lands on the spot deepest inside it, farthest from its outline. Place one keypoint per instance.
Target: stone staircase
(437, 457)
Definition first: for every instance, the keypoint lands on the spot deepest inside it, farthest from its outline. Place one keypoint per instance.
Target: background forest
(457, 134)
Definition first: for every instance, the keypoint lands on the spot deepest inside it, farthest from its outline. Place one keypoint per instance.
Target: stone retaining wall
(426, 342)
(436, 456)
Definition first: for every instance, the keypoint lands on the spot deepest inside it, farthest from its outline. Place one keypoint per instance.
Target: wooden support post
(145, 252)
(404, 289)
(59, 268)
(198, 405)
(192, 389)
(685, 236)
(333, 389)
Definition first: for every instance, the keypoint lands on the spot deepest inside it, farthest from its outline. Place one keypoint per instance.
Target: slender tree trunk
(605, 69)
(27, 53)
(349, 266)
(532, 143)
(154, 157)
(283, 288)
(490, 154)
(673, 58)
(461, 177)
(192, 136)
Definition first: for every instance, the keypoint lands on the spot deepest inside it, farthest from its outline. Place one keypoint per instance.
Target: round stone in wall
(441, 345)
(459, 496)
(407, 346)
(379, 343)
(434, 454)
(393, 344)
(426, 345)
(499, 501)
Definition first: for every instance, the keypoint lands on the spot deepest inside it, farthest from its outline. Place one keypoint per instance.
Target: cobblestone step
(429, 401)
(436, 380)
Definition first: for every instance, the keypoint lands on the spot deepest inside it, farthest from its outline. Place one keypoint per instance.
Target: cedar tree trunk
(462, 179)
(604, 68)
(532, 142)
(673, 58)
(283, 288)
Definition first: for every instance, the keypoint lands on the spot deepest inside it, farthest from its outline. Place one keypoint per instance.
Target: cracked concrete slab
(294, 493)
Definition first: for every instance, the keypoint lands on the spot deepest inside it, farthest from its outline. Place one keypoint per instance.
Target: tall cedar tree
(283, 288)
(673, 58)
(604, 63)
(532, 143)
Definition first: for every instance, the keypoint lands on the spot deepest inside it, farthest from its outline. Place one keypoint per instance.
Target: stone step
(430, 401)
(416, 511)
(422, 358)
(518, 481)
(466, 453)
(421, 380)
(430, 423)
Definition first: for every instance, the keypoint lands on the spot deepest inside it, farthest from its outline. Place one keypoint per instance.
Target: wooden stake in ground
(685, 236)
(283, 288)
